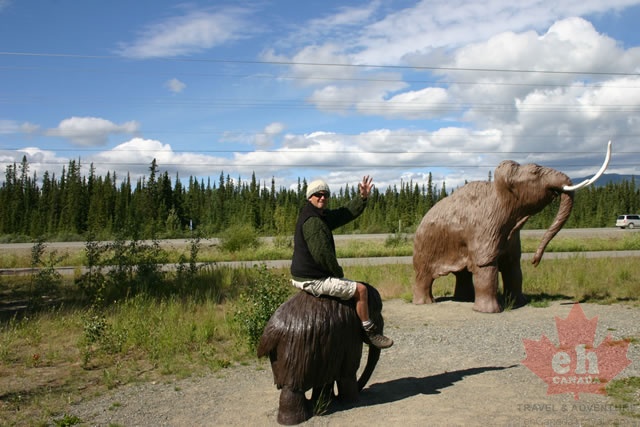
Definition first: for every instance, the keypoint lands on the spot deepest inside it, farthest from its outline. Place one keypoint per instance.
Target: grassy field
(58, 345)
(281, 247)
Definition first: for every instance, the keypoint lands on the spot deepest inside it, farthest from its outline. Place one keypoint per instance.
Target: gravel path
(449, 366)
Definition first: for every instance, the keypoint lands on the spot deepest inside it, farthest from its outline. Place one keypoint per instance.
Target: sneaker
(378, 340)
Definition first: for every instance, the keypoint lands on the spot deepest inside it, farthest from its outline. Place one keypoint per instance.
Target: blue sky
(395, 89)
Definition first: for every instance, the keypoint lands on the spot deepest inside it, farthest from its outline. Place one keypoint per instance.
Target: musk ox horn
(595, 177)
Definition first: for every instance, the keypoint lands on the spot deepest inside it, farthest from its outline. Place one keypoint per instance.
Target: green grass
(602, 280)
(624, 242)
(625, 393)
(281, 247)
(175, 335)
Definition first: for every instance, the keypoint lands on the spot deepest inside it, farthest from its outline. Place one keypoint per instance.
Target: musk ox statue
(314, 343)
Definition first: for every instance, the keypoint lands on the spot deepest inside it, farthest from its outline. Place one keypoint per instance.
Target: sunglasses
(320, 195)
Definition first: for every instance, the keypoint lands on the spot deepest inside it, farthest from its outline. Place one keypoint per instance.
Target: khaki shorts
(342, 288)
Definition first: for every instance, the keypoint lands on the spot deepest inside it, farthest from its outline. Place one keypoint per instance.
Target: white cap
(315, 186)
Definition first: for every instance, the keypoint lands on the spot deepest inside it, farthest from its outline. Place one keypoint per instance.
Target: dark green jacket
(314, 252)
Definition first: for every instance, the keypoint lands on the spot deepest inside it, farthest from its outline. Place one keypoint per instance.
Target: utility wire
(319, 64)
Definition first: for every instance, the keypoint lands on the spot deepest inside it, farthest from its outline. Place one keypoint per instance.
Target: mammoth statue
(314, 342)
(475, 233)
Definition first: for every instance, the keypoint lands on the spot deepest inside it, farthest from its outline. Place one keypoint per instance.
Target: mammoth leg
(464, 286)
(512, 284)
(486, 289)
(321, 398)
(422, 293)
(348, 390)
(322, 392)
(422, 290)
(294, 408)
(511, 271)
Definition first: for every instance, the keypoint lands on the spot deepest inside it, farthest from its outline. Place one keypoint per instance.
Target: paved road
(577, 233)
(566, 232)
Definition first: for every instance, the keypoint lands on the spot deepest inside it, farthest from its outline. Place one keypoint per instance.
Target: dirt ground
(448, 366)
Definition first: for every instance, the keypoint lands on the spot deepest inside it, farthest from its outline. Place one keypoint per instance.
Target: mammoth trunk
(566, 204)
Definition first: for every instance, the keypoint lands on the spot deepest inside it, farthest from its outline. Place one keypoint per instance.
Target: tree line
(73, 205)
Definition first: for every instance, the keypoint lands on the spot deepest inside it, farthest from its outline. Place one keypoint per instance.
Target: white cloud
(135, 157)
(274, 128)
(527, 110)
(338, 25)
(345, 16)
(431, 25)
(190, 33)
(335, 63)
(568, 46)
(267, 137)
(39, 160)
(10, 127)
(174, 85)
(90, 131)
(568, 108)
(417, 104)
(139, 150)
(495, 35)
(368, 96)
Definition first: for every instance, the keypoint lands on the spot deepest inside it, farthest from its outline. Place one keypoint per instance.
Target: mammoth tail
(274, 331)
(267, 343)
(372, 361)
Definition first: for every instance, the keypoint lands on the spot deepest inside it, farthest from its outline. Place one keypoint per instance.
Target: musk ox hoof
(294, 408)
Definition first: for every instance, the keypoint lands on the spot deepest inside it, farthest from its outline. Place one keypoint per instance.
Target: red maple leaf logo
(576, 366)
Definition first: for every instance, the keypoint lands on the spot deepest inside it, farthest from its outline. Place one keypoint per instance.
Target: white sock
(366, 325)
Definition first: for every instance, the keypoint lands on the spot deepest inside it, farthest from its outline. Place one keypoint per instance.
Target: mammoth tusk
(595, 177)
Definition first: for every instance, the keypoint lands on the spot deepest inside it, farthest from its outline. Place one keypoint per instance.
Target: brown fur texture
(475, 233)
(313, 342)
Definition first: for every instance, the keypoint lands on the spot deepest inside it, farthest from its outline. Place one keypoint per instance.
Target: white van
(628, 221)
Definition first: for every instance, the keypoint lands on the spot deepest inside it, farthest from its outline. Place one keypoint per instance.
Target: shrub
(238, 237)
(99, 337)
(122, 268)
(45, 277)
(283, 242)
(396, 240)
(257, 303)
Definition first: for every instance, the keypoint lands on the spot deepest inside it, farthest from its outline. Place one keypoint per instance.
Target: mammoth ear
(504, 173)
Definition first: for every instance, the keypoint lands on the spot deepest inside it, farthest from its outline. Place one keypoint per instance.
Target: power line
(318, 78)
(408, 107)
(314, 151)
(386, 106)
(317, 165)
(320, 64)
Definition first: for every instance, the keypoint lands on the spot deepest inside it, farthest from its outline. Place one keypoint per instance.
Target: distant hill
(607, 178)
